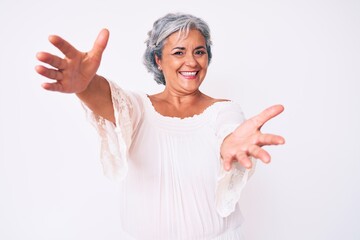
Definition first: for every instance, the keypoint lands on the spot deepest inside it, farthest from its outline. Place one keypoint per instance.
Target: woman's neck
(172, 104)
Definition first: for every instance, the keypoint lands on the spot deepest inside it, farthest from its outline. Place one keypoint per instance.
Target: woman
(182, 157)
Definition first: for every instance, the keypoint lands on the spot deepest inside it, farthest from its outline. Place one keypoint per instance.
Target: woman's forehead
(182, 37)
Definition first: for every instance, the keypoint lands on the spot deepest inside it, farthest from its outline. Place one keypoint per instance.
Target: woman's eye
(178, 53)
(200, 52)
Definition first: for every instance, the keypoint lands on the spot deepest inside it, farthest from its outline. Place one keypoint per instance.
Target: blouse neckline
(207, 111)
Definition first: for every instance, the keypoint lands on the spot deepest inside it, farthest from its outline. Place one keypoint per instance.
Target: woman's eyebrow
(182, 48)
(178, 48)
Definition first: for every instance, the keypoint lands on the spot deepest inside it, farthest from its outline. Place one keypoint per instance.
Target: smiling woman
(182, 157)
(184, 62)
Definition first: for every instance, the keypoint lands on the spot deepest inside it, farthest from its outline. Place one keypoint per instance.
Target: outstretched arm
(247, 140)
(76, 73)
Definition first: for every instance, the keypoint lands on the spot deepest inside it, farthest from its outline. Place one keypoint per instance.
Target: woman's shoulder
(227, 111)
(227, 104)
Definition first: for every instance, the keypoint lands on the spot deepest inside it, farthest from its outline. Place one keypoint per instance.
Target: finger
(268, 139)
(100, 44)
(227, 166)
(227, 163)
(56, 86)
(52, 60)
(49, 73)
(259, 153)
(66, 48)
(269, 113)
(244, 159)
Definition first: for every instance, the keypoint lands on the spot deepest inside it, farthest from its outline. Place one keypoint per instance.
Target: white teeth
(188, 73)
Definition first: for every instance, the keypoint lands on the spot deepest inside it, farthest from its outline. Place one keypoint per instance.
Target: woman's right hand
(74, 72)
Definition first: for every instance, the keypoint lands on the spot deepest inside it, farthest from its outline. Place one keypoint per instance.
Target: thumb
(100, 43)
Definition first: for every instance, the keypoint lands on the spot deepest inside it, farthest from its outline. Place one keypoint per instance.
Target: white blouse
(173, 185)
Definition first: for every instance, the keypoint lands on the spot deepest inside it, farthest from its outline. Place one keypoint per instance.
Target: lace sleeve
(230, 183)
(116, 138)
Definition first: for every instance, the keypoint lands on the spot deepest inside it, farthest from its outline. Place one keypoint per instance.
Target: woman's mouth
(189, 74)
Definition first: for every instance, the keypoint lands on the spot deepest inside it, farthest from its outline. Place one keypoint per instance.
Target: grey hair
(162, 29)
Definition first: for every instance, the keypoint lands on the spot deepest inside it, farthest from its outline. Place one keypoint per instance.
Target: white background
(304, 54)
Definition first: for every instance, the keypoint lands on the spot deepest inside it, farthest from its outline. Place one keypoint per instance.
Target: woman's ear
(158, 62)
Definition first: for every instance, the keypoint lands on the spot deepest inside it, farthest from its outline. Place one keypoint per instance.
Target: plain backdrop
(304, 54)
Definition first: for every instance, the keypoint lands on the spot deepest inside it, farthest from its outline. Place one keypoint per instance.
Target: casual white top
(173, 185)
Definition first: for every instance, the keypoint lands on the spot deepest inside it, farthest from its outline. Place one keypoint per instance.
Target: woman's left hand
(247, 140)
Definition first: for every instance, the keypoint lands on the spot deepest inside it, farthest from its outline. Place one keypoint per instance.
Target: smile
(188, 74)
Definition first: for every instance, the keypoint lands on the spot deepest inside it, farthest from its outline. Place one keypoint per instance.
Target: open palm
(247, 140)
(74, 72)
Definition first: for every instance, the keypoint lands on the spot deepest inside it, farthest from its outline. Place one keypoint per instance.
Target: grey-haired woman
(182, 157)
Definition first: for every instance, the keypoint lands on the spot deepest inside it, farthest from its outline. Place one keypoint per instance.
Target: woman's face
(184, 62)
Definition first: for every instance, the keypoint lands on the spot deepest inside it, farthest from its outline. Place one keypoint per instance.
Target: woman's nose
(190, 60)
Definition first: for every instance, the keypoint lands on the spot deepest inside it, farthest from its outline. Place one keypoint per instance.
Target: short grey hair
(162, 29)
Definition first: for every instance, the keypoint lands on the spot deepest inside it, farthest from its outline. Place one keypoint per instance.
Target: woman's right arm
(76, 73)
